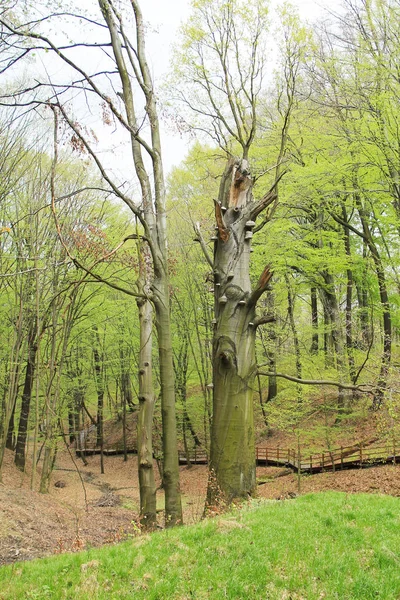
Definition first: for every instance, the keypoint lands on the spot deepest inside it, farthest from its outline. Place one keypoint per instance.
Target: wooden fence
(346, 457)
(359, 455)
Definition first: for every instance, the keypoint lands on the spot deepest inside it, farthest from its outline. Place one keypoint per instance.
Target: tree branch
(267, 199)
(264, 319)
(344, 386)
(261, 286)
(199, 238)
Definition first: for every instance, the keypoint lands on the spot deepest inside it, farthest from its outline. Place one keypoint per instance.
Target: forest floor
(93, 509)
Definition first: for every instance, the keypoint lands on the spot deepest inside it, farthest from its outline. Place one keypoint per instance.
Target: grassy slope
(329, 545)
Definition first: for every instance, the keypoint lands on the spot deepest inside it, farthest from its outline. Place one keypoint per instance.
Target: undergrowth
(320, 546)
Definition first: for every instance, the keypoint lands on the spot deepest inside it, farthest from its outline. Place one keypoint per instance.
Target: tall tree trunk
(98, 370)
(314, 321)
(349, 302)
(232, 456)
(384, 299)
(363, 313)
(11, 396)
(296, 341)
(270, 351)
(153, 220)
(333, 314)
(26, 399)
(171, 484)
(126, 387)
(147, 486)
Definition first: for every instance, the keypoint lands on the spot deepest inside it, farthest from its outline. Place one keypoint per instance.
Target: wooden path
(360, 455)
(349, 457)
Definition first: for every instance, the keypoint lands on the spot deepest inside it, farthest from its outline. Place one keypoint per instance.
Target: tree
(222, 62)
(131, 77)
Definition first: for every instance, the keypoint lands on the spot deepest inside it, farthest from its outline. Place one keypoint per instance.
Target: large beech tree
(235, 323)
(223, 63)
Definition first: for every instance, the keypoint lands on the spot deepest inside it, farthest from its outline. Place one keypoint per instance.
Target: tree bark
(98, 371)
(147, 486)
(10, 440)
(331, 310)
(26, 399)
(314, 321)
(173, 504)
(349, 302)
(232, 456)
(384, 299)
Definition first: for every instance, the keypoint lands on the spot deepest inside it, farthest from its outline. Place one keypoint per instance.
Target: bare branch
(338, 384)
(199, 238)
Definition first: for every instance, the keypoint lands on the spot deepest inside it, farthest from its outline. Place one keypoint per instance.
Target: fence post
(277, 453)
(323, 461)
(266, 455)
(341, 458)
(394, 452)
(310, 463)
(361, 456)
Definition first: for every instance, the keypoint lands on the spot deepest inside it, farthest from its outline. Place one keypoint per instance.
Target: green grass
(319, 546)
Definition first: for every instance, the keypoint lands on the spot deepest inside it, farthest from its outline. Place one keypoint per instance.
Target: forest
(224, 298)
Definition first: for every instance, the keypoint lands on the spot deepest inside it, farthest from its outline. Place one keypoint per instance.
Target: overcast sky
(164, 19)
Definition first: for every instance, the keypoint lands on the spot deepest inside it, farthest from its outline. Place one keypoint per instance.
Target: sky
(164, 20)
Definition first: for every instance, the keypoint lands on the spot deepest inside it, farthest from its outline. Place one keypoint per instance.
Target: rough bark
(232, 456)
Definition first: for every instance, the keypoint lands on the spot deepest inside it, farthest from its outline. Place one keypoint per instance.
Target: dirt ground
(93, 509)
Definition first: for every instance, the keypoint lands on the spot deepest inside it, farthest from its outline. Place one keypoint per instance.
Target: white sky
(165, 18)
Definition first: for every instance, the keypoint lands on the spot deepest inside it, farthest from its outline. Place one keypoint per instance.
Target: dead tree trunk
(232, 460)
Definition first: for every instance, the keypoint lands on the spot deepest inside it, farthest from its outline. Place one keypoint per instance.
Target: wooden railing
(360, 455)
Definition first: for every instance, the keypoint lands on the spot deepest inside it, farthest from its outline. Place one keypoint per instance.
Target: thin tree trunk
(12, 386)
(10, 441)
(332, 310)
(26, 400)
(148, 507)
(314, 321)
(349, 303)
(171, 485)
(98, 369)
(384, 299)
